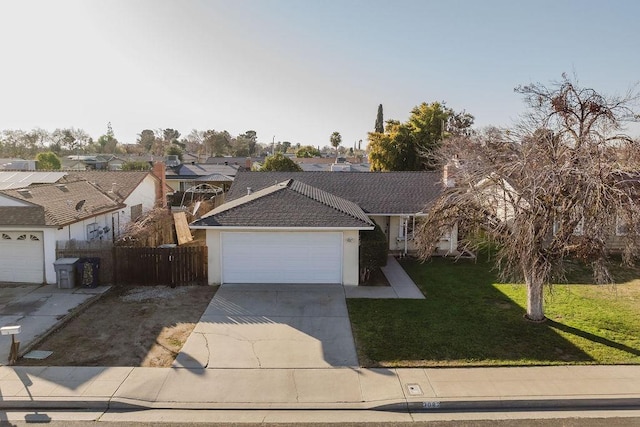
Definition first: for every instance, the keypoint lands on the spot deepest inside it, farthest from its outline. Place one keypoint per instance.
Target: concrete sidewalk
(400, 285)
(413, 390)
(38, 309)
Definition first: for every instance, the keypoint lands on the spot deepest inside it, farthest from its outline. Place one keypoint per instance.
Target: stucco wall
(350, 257)
(78, 230)
(174, 184)
(214, 256)
(9, 201)
(49, 255)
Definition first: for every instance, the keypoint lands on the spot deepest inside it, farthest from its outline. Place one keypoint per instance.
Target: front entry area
(281, 257)
(272, 326)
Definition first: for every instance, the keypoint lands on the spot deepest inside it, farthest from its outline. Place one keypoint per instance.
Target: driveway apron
(272, 326)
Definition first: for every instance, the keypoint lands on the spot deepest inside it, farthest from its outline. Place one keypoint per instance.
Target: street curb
(525, 404)
(17, 403)
(428, 406)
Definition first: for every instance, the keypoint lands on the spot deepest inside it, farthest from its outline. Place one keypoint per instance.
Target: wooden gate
(161, 266)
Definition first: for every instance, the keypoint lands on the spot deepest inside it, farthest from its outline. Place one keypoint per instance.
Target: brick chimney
(248, 163)
(160, 171)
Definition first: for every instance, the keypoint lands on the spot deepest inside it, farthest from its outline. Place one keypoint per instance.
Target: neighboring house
(331, 164)
(245, 162)
(334, 167)
(33, 219)
(17, 164)
(172, 161)
(186, 176)
(304, 226)
(503, 202)
(190, 157)
(137, 191)
(19, 179)
(94, 162)
(67, 164)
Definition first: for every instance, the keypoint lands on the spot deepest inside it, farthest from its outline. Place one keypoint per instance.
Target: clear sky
(297, 70)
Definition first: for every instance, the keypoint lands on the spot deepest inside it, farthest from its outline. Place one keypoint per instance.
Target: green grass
(468, 319)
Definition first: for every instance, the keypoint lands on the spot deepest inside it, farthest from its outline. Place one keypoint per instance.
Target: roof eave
(254, 228)
(94, 214)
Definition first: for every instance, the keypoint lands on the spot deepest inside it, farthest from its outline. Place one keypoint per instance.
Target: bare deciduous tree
(555, 186)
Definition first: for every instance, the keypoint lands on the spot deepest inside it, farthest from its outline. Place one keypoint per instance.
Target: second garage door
(21, 257)
(270, 257)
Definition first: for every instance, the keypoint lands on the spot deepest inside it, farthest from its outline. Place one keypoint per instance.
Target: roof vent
(25, 193)
(249, 190)
(62, 187)
(113, 187)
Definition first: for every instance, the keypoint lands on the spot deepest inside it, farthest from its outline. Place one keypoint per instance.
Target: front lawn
(468, 319)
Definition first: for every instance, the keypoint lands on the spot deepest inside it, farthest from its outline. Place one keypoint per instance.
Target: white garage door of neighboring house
(282, 257)
(21, 256)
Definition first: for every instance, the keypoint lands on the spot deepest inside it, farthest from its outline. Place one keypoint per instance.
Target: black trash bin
(87, 270)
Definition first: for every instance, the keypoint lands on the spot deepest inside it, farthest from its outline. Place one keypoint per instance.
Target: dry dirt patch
(133, 326)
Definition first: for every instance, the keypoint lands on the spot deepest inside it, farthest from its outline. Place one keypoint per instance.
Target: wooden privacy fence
(102, 249)
(160, 266)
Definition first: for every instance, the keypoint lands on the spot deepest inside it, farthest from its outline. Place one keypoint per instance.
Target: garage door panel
(21, 256)
(296, 257)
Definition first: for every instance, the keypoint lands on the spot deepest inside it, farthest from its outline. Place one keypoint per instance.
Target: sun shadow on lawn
(465, 320)
(592, 337)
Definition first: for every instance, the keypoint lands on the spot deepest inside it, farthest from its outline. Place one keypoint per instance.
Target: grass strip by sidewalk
(468, 319)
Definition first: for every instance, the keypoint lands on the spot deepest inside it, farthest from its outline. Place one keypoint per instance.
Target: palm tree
(336, 139)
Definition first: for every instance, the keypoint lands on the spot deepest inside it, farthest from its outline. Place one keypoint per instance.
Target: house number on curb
(431, 405)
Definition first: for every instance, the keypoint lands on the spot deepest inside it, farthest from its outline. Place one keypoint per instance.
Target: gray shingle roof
(373, 192)
(214, 177)
(22, 215)
(287, 204)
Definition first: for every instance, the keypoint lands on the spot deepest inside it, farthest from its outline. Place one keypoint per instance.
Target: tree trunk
(535, 310)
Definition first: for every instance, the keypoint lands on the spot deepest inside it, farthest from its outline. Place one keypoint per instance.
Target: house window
(185, 185)
(92, 231)
(136, 212)
(622, 228)
(6, 236)
(22, 237)
(33, 238)
(579, 230)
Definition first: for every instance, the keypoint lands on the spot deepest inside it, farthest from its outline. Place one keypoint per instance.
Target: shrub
(373, 251)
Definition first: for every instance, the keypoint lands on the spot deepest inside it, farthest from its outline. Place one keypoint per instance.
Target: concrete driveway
(272, 326)
(37, 309)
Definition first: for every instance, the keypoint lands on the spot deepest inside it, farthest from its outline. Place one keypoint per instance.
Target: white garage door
(21, 256)
(282, 257)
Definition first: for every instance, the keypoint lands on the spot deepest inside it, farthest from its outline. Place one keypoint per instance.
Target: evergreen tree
(379, 121)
